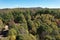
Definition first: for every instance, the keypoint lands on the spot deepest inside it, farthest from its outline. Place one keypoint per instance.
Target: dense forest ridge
(30, 24)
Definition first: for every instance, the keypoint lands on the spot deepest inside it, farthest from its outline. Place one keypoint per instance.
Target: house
(4, 31)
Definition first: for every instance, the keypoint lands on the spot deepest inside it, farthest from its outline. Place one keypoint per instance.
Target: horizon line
(30, 7)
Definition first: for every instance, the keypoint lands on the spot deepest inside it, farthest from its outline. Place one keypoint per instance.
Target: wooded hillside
(30, 24)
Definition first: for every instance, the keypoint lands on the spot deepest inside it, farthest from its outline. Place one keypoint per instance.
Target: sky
(29, 3)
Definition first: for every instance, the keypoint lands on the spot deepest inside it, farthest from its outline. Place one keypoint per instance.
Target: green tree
(12, 34)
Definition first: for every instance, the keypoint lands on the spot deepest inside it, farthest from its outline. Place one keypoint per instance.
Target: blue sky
(29, 3)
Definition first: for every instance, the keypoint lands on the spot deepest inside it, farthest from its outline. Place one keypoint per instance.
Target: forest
(30, 24)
